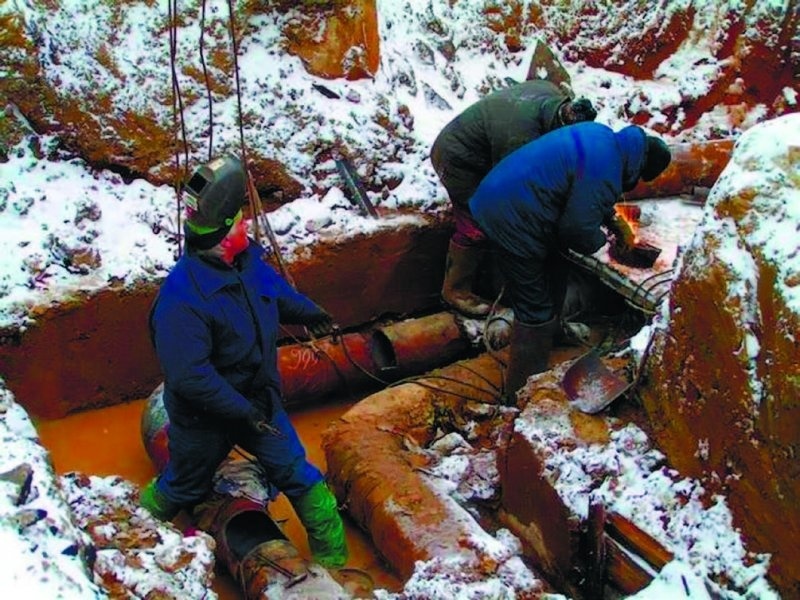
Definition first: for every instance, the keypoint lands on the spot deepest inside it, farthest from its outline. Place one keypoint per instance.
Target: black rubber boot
(462, 264)
(530, 349)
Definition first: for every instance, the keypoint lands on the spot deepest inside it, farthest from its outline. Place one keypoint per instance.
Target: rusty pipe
(697, 164)
(418, 345)
(257, 554)
(383, 355)
(373, 471)
(311, 371)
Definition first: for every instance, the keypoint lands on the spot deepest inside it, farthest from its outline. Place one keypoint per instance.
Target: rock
(27, 517)
(724, 375)
(751, 58)
(348, 45)
(22, 477)
(545, 65)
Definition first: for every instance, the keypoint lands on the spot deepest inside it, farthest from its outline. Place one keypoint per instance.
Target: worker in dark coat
(467, 149)
(214, 325)
(551, 195)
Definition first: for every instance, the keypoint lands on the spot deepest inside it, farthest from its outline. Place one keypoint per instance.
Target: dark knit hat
(656, 158)
(576, 111)
(214, 197)
(583, 110)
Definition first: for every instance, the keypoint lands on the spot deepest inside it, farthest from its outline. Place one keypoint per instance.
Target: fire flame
(631, 214)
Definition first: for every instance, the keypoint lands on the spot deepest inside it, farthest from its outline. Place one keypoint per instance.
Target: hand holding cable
(321, 324)
(258, 423)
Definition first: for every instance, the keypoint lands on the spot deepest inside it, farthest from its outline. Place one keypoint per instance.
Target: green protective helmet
(215, 194)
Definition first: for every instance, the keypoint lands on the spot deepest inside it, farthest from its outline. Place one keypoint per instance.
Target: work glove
(258, 423)
(320, 325)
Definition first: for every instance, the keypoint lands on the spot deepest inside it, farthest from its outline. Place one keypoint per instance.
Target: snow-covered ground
(68, 227)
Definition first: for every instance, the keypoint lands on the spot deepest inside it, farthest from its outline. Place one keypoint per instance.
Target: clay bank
(684, 485)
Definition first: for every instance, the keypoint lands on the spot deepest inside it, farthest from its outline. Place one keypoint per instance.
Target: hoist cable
(255, 200)
(178, 122)
(208, 84)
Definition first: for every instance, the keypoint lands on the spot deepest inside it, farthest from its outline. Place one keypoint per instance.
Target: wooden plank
(626, 572)
(597, 563)
(637, 541)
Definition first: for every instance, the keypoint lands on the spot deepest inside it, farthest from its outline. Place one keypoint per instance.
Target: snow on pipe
(370, 469)
(310, 372)
(696, 164)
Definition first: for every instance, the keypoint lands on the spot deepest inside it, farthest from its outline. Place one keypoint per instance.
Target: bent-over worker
(551, 195)
(467, 149)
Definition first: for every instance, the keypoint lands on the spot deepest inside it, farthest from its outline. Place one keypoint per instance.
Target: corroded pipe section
(369, 466)
(697, 164)
(312, 371)
(257, 554)
(418, 345)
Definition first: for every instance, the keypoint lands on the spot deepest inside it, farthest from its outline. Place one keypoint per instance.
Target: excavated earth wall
(104, 353)
(723, 392)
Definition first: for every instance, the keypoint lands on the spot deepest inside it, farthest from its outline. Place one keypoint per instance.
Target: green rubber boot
(156, 503)
(318, 512)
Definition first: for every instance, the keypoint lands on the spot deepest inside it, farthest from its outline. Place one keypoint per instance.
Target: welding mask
(214, 195)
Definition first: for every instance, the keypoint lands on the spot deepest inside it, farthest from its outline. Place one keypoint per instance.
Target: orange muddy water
(107, 441)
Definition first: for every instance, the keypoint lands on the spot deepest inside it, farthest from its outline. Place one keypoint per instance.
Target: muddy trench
(89, 401)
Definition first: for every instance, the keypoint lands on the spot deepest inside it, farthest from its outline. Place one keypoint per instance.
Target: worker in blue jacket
(550, 195)
(214, 325)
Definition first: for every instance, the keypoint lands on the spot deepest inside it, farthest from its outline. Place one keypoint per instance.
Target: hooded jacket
(555, 192)
(490, 129)
(215, 330)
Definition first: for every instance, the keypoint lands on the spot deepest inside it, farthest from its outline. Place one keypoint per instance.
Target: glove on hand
(258, 423)
(320, 324)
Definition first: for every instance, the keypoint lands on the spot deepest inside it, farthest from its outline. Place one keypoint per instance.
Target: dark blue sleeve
(182, 338)
(293, 307)
(584, 212)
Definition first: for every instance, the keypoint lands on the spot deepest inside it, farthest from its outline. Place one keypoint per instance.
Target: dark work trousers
(196, 451)
(534, 288)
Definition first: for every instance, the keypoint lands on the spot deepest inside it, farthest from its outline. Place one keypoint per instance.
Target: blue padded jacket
(556, 191)
(215, 330)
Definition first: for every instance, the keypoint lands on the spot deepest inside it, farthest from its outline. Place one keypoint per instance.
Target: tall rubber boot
(318, 512)
(151, 498)
(460, 268)
(530, 349)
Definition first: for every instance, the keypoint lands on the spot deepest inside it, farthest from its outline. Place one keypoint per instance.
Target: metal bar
(356, 190)
(637, 296)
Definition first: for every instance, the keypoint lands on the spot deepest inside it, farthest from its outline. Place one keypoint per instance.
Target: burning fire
(631, 213)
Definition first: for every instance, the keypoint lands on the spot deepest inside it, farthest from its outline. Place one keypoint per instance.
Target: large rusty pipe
(310, 372)
(373, 473)
(257, 554)
(418, 345)
(697, 164)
